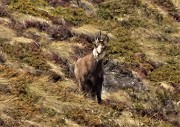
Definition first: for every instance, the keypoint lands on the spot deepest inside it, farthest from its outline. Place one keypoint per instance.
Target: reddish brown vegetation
(169, 7)
(143, 67)
(42, 26)
(58, 2)
(4, 12)
(59, 32)
(5, 2)
(176, 86)
(97, 1)
(63, 63)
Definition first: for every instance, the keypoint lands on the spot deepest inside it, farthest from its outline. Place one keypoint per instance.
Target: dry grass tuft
(6, 33)
(64, 63)
(42, 26)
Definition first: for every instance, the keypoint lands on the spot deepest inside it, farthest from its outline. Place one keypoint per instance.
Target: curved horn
(100, 34)
(106, 36)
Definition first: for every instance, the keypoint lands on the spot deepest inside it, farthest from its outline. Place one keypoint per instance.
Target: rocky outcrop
(117, 76)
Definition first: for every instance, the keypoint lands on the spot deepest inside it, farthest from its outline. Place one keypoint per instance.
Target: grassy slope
(36, 52)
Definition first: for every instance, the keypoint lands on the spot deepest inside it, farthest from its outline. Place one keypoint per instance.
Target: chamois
(89, 70)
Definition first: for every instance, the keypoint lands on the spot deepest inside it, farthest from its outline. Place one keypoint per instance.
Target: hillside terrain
(40, 40)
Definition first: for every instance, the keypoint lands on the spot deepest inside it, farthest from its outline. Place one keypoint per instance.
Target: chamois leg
(90, 89)
(99, 94)
(99, 89)
(93, 93)
(86, 87)
(80, 85)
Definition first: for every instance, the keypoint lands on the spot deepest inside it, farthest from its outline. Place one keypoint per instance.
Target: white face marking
(95, 53)
(98, 52)
(99, 48)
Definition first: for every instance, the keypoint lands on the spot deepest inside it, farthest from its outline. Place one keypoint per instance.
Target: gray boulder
(117, 76)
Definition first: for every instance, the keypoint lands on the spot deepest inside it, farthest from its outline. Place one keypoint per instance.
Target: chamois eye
(104, 47)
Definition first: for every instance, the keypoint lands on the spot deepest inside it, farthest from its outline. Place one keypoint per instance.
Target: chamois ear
(98, 37)
(96, 42)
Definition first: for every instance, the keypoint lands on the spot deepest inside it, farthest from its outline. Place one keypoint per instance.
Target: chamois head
(100, 45)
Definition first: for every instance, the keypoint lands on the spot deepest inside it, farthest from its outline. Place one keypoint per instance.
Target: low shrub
(42, 26)
(27, 53)
(111, 9)
(169, 7)
(74, 16)
(167, 72)
(59, 32)
(151, 13)
(124, 46)
(28, 6)
(4, 12)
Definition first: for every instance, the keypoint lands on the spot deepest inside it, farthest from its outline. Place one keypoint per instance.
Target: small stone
(3, 58)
